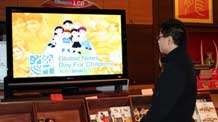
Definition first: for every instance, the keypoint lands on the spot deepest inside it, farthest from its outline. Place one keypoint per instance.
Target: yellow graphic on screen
(66, 44)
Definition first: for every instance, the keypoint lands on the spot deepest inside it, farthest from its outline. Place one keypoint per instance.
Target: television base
(44, 90)
(78, 91)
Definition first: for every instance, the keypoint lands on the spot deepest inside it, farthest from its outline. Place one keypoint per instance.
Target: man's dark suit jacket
(175, 92)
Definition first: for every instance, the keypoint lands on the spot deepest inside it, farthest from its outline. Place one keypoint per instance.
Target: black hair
(59, 27)
(67, 21)
(74, 30)
(176, 29)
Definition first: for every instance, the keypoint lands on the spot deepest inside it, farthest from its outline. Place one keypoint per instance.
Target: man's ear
(170, 40)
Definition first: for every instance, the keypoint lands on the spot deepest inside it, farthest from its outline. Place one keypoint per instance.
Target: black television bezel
(63, 81)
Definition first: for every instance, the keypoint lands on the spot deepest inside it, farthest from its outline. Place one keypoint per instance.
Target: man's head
(172, 34)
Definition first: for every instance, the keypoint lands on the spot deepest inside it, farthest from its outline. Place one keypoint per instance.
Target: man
(175, 92)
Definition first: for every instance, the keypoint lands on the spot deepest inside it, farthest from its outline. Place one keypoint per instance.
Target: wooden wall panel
(98, 3)
(215, 11)
(165, 9)
(30, 3)
(117, 4)
(140, 12)
(2, 14)
(3, 5)
(140, 54)
(155, 29)
(137, 12)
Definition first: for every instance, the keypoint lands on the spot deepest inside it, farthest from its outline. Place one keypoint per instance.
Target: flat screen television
(63, 47)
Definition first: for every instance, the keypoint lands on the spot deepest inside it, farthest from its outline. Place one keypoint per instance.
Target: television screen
(59, 44)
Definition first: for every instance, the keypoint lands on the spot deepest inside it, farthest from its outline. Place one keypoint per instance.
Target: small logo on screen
(41, 65)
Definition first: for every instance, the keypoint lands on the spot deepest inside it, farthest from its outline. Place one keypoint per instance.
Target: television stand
(84, 88)
(78, 91)
(118, 88)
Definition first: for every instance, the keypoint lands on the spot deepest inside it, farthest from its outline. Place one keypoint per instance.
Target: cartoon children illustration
(66, 41)
(57, 37)
(68, 25)
(84, 41)
(54, 43)
(67, 37)
(76, 41)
